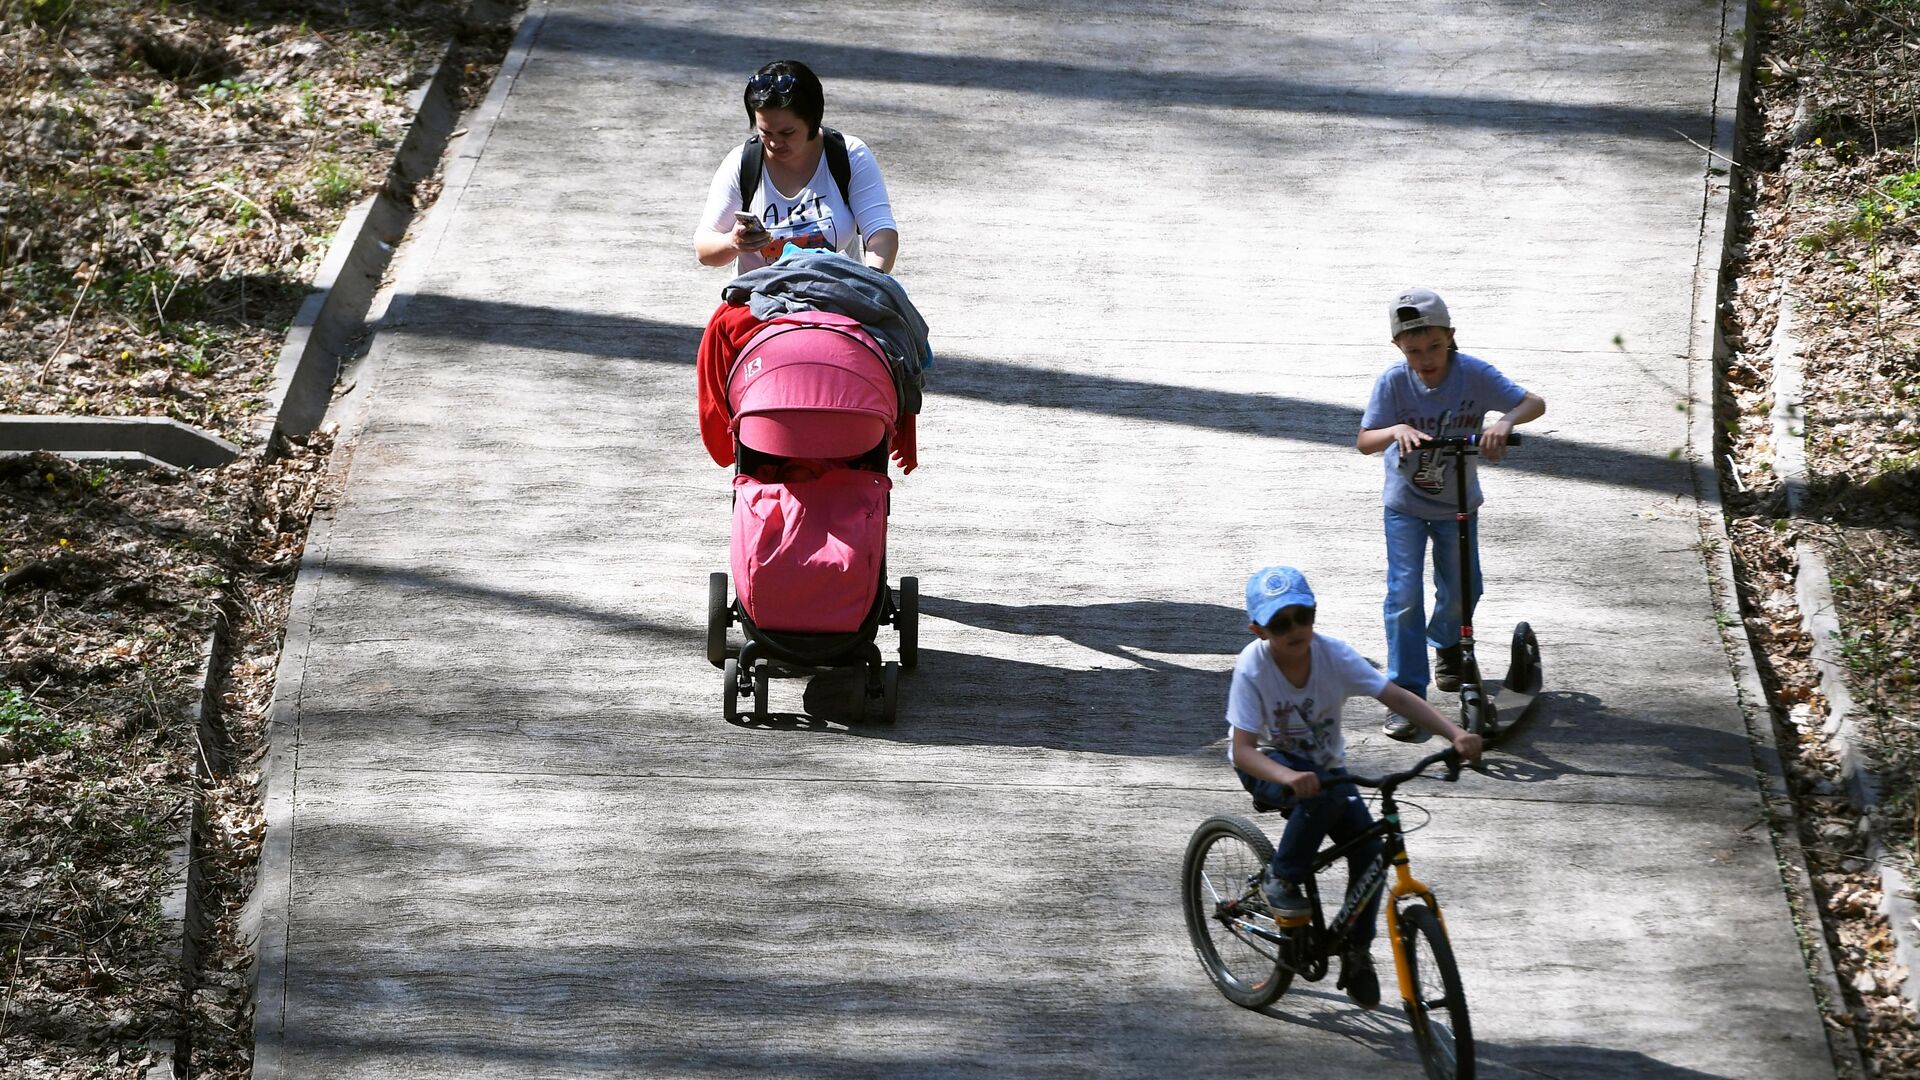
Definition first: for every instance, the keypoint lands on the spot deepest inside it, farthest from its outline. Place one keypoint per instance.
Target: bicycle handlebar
(1449, 756)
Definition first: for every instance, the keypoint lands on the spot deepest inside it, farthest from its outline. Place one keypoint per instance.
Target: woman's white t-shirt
(816, 215)
(1302, 720)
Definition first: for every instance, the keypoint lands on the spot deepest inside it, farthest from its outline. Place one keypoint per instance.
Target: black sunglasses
(763, 85)
(1280, 625)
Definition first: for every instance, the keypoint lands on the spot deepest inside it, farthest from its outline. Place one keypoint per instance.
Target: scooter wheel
(1479, 715)
(1524, 673)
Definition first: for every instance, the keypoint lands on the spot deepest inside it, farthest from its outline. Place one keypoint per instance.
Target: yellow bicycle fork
(1405, 885)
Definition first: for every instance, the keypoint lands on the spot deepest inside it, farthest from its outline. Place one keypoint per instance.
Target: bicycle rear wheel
(1219, 887)
(1438, 1011)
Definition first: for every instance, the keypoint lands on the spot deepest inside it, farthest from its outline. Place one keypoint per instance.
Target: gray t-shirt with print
(1424, 483)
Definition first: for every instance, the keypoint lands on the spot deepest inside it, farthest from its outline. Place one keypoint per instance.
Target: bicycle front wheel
(1438, 1011)
(1219, 887)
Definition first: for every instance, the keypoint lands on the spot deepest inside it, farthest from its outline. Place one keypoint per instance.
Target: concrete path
(511, 835)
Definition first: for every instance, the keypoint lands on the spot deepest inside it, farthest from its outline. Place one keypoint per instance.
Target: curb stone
(181, 915)
(130, 440)
(334, 322)
(264, 920)
(1707, 350)
(1819, 618)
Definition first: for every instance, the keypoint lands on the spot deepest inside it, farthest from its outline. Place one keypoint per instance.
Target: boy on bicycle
(1283, 711)
(1439, 392)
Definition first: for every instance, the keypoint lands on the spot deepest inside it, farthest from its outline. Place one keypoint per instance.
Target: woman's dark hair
(790, 85)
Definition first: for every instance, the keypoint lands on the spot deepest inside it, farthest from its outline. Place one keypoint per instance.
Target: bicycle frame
(1323, 942)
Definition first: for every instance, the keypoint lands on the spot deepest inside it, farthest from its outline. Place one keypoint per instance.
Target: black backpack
(753, 161)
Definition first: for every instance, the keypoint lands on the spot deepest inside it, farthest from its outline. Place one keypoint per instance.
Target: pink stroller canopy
(812, 385)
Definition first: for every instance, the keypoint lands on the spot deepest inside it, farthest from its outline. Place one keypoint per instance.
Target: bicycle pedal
(1290, 921)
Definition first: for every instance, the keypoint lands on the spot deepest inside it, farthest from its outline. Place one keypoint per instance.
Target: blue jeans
(1409, 630)
(1338, 811)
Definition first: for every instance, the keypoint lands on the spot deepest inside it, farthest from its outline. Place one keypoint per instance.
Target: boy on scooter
(1283, 714)
(1439, 392)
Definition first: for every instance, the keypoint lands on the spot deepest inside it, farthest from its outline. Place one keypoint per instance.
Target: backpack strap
(753, 163)
(838, 163)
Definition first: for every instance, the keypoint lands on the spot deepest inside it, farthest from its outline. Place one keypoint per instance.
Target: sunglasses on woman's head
(770, 84)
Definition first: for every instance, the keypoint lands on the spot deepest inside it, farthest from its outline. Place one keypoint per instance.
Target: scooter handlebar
(1467, 443)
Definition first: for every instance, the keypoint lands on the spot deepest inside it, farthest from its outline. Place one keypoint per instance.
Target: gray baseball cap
(1426, 307)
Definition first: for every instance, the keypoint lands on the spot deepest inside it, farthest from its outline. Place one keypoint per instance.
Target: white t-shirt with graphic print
(1303, 720)
(814, 216)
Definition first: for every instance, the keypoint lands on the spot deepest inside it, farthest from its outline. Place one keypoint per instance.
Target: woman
(798, 198)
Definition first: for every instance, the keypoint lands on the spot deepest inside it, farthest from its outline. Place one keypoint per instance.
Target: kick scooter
(1480, 703)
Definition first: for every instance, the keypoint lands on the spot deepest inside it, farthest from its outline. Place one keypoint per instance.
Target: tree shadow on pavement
(1274, 90)
(1008, 382)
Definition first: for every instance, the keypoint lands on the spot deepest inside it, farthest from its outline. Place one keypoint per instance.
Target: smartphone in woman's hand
(751, 222)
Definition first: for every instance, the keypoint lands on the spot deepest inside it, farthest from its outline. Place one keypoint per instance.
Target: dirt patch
(173, 175)
(1832, 190)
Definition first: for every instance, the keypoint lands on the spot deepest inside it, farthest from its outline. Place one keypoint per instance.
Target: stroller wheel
(760, 690)
(908, 619)
(857, 698)
(719, 616)
(730, 694)
(889, 692)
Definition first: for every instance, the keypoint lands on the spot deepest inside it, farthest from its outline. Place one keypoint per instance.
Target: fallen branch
(66, 331)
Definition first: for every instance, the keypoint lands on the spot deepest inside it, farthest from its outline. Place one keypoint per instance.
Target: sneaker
(1358, 979)
(1284, 898)
(1399, 727)
(1447, 663)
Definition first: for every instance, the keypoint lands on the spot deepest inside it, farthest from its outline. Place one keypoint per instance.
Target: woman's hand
(749, 238)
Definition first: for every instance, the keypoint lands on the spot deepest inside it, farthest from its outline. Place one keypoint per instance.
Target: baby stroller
(813, 407)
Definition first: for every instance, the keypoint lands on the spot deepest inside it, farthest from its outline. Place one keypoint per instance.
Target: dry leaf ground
(173, 173)
(1832, 199)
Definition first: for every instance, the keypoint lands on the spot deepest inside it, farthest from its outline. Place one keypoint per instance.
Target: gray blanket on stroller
(816, 279)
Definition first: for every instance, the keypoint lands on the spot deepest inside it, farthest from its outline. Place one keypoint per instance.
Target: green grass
(334, 184)
(1893, 199)
(32, 733)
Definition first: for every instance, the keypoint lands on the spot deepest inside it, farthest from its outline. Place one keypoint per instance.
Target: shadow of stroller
(1145, 704)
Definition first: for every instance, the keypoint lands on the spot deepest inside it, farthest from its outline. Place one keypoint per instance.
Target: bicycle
(1253, 958)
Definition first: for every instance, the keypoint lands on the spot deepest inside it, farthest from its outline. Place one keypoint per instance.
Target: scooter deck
(1512, 703)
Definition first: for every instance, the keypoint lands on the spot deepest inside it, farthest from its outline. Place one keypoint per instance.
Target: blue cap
(1273, 588)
